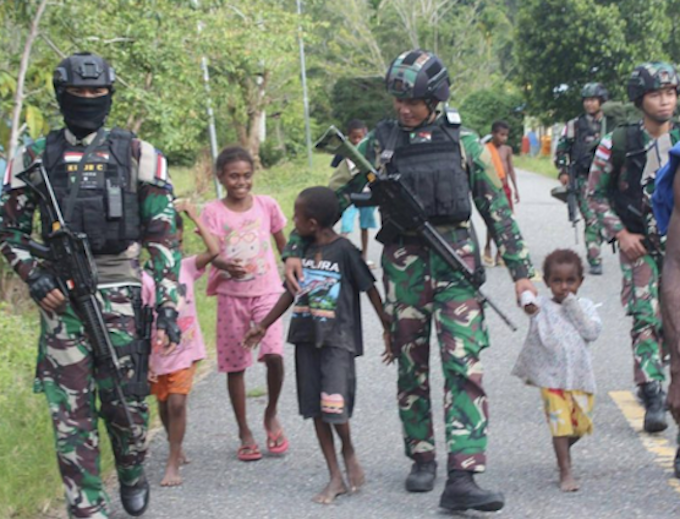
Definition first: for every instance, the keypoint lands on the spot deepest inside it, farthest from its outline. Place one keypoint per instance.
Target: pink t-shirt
(246, 236)
(191, 348)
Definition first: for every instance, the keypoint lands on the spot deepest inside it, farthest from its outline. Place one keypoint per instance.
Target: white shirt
(555, 353)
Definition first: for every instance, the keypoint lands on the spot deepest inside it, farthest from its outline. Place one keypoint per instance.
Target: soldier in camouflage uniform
(442, 165)
(122, 198)
(573, 156)
(620, 186)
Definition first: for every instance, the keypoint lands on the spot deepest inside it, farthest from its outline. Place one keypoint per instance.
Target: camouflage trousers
(592, 232)
(640, 297)
(71, 380)
(421, 288)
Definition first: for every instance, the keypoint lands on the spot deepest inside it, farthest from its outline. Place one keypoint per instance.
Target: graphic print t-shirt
(245, 236)
(327, 310)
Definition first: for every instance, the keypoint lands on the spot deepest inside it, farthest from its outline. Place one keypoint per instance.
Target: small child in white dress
(555, 356)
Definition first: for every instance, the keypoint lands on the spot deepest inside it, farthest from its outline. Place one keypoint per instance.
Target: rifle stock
(402, 211)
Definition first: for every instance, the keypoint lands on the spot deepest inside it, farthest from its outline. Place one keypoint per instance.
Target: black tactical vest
(430, 163)
(626, 196)
(587, 135)
(106, 208)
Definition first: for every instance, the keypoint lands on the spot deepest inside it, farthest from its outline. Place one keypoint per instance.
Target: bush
(480, 109)
(360, 98)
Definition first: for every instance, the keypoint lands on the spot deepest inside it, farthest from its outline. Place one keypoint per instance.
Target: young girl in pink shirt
(172, 372)
(245, 279)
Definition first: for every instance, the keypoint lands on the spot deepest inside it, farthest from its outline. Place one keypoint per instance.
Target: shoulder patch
(604, 150)
(153, 166)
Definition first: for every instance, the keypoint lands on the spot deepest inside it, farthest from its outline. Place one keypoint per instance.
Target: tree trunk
(21, 79)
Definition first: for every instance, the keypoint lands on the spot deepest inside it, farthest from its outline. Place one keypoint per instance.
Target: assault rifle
(403, 211)
(568, 194)
(70, 259)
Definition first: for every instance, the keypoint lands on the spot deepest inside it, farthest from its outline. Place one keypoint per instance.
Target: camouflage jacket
(486, 191)
(566, 145)
(19, 203)
(603, 179)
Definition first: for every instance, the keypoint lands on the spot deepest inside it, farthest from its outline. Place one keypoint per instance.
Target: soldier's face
(411, 112)
(592, 105)
(237, 179)
(89, 92)
(659, 105)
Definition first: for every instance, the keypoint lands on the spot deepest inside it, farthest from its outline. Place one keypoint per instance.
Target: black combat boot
(462, 493)
(422, 476)
(676, 464)
(135, 498)
(653, 399)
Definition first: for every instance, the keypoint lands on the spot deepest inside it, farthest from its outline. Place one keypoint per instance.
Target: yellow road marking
(660, 447)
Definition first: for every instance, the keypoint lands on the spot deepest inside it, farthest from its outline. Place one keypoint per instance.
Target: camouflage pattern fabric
(640, 285)
(592, 231)
(71, 380)
(420, 287)
(640, 298)
(66, 369)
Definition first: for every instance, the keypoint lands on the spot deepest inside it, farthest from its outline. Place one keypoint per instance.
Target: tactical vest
(628, 150)
(587, 135)
(106, 207)
(429, 161)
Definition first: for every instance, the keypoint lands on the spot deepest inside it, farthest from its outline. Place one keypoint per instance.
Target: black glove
(40, 283)
(167, 320)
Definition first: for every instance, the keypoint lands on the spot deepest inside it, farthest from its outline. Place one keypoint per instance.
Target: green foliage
(480, 109)
(361, 98)
(541, 165)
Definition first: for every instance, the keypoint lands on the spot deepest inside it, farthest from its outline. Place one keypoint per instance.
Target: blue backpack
(662, 199)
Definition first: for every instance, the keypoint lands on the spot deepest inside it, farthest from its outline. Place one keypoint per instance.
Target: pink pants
(234, 317)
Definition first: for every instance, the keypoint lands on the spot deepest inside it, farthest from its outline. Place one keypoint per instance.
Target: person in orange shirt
(501, 159)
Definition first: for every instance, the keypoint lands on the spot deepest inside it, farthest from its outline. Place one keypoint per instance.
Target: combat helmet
(418, 74)
(83, 69)
(649, 77)
(594, 90)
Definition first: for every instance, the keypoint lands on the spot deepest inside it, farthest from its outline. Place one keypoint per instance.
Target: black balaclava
(84, 115)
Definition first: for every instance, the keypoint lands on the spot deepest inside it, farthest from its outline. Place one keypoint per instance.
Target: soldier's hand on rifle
(293, 273)
(631, 244)
(168, 333)
(45, 291)
(564, 178)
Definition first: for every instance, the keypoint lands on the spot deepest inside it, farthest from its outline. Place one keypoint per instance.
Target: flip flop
(273, 445)
(249, 453)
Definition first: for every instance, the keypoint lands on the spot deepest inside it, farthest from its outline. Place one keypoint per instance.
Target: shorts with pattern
(569, 413)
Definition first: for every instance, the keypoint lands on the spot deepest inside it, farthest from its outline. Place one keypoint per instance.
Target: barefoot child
(326, 330)
(172, 372)
(556, 358)
(245, 279)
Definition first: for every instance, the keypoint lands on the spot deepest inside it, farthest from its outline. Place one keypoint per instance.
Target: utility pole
(305, 98)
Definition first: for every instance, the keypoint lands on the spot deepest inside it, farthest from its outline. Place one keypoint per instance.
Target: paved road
(622, 472)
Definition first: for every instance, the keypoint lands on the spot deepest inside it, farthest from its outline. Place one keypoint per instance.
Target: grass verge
(30, 485)
(541, 165)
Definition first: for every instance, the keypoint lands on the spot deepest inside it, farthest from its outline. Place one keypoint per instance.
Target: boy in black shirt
(326, 330)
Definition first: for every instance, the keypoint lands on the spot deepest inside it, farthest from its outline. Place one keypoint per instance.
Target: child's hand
(235, 268)
(531, 309)
(253, 336)
(151, 377)
(185, 205)
(387, 355)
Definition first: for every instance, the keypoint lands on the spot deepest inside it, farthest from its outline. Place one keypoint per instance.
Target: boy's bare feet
(335, 488)
(183, 458)
(171, 477)
(355, 474)
(568, 483)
